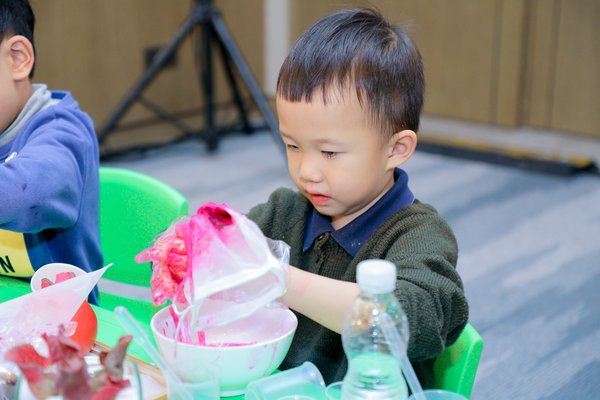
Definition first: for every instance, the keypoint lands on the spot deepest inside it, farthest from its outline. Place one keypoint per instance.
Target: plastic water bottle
(374, 370)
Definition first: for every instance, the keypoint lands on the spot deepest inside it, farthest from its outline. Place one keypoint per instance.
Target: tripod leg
(204, 59)
(246, 74)
(237, 98)
(138, 88)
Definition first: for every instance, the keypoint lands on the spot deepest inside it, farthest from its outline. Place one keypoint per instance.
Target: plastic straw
(131, 326)
(398, 348)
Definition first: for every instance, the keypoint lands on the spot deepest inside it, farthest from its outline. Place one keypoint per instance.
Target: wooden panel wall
(563, 90)
(468, 48)
(95, 48)
(508, 62)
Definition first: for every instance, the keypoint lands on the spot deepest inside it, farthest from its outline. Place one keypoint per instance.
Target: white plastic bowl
(263, 339)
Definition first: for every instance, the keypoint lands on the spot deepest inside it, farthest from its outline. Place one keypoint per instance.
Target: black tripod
(214, 30)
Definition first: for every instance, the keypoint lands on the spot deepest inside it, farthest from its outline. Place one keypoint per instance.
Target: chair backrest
(456, 367)
(134, 209)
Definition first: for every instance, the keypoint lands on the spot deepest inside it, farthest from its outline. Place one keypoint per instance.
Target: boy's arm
(433, 299)
(435, 306)
(429, 286)
(41, 187)
(324, 300)
(321, 299)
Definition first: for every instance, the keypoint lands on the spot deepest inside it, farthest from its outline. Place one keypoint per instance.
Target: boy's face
(336, 157)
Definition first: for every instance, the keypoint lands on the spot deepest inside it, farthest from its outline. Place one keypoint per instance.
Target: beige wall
(508, 62)
(563, 85)
(95, 48)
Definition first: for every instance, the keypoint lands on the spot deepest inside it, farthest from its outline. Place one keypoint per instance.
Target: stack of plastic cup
(304, 382)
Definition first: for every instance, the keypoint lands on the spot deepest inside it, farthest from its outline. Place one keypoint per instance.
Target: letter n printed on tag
(14, 260)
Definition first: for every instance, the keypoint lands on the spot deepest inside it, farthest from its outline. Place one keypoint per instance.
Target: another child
(349, 98)
(49, 179)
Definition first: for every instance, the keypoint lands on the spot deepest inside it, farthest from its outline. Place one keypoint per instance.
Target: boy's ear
(22, 57)
(402, 145)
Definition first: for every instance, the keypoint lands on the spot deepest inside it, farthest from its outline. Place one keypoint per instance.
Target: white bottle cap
(376, 276)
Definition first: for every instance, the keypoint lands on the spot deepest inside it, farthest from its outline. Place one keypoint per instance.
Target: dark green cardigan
(416, 239)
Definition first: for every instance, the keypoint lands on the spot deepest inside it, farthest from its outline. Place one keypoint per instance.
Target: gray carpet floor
(529, 252)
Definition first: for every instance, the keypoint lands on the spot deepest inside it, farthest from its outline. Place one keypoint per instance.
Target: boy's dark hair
(358, 47)
(16, 18)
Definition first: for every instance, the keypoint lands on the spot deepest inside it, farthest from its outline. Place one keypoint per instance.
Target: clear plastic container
(131, 372)
(302, 382)
(374, 370)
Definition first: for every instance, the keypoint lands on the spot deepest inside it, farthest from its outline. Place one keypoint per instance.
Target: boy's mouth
(318, 199)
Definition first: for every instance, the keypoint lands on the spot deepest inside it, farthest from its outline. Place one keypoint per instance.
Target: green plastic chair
(456, 367)
(134, 209)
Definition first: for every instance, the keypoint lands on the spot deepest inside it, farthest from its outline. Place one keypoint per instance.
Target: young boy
(48, 162)
(349, 97)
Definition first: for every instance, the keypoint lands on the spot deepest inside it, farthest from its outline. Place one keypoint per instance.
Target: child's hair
(16, 18)
(358, 47)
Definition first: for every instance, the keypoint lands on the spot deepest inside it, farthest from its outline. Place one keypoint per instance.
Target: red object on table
(87, 328)
(85, 317)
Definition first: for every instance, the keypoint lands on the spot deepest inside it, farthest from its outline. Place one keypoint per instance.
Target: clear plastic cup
(302, 382)
(436, 394)
(334, 391)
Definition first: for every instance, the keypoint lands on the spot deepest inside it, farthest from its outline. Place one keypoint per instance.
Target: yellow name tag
(14, 260)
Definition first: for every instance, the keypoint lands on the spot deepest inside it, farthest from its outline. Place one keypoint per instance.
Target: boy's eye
(329, 154)
(291, 147)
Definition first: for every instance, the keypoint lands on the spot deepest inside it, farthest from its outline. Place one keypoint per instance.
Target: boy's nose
(309, 171)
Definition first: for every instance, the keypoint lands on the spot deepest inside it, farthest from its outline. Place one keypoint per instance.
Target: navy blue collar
(352, 236)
